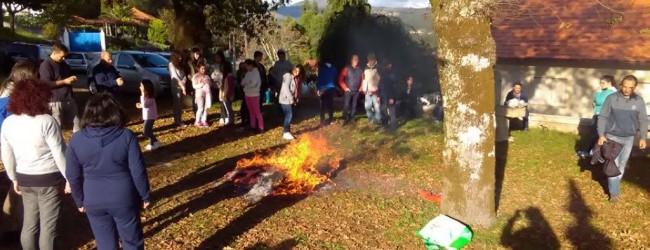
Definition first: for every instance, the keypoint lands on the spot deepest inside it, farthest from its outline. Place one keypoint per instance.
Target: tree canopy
(198, 20)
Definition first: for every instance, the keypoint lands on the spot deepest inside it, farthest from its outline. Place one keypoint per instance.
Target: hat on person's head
(281, 51)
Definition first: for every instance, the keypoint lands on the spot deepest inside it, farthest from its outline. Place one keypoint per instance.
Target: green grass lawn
(20, 36)
(548, 200)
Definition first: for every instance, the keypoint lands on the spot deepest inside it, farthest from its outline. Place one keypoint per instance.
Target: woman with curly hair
(32, 154)
(12, 210)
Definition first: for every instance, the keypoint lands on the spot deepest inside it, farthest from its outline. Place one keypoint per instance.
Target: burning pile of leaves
(303, 167)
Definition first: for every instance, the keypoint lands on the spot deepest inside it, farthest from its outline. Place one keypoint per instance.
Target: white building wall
(561, 96)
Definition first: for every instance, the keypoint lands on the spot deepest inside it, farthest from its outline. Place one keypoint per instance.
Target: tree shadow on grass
(287, 244)
(501, 155)
(537, 235)
(638, 173)
(596, 171)
(204, 175)
(582, 233)
(264, 209)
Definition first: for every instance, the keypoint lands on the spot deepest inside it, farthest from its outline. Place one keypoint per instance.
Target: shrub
(51, 31)
(157, 32)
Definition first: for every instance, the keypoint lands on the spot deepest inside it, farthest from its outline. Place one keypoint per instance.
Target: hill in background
(417, 20)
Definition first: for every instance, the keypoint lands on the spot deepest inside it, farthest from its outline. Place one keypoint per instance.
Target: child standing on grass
(202, 96)
(149, 113)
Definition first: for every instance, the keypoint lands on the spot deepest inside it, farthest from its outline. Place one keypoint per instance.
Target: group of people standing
(379, 85)
(101, 166)
(250, 84)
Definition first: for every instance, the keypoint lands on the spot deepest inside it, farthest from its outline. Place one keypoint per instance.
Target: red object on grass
(436, 198)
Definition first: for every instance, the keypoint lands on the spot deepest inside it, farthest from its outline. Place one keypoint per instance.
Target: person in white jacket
(288, 97)
(202, 95)
(251, 84)
(179, 79)
(32, 154)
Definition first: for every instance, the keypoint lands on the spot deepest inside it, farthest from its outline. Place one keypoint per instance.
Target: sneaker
(226, 121)
(615, 198)
(288, 136)
(156, 145)
(221, 122)
(148, 147)
(205, 125)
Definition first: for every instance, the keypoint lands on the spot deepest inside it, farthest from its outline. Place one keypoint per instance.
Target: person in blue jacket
(106, 76)
(107, 174)
(327, 76)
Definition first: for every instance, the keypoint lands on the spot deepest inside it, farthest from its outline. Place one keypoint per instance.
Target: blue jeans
(614, 183)
(373, 108)
(288, 115)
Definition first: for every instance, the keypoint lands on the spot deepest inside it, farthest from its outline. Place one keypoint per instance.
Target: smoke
(355, 31)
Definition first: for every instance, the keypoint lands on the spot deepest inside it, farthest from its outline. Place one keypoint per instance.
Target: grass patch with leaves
(548, 200)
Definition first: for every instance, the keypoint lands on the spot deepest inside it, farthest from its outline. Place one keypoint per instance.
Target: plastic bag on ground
(444, 232)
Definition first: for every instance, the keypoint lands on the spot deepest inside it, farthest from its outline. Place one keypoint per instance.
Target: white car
(77, 61)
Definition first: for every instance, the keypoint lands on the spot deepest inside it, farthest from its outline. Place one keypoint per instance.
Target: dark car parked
(36, 53)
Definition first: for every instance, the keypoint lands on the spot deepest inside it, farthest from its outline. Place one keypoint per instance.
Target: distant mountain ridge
(418, 19)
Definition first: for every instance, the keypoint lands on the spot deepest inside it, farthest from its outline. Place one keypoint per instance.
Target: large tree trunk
(189, 26)
(467, 55)
(12, 22)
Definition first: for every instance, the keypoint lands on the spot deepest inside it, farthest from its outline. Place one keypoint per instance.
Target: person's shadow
(537, 235)
(582, 233)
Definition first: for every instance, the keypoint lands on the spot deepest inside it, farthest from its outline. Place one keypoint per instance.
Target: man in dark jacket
(350, 81)
(56, 73)
(106, 76)
(409, 100)
(388, 93)
(622, 116)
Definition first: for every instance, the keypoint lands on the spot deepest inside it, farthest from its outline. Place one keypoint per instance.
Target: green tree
(51, 31)
(336, 6)
(14, 6)
(312, 24)
(157, 32)
(59, 12)
(467, 83)
(193, 17)
(118, 12)
(167, 16)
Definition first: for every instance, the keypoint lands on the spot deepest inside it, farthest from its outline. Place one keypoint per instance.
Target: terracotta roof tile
(574, 30)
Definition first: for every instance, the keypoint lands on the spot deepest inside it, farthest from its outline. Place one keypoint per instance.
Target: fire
(299, 162)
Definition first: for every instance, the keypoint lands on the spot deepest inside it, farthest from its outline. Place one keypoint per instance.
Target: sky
(400, 3)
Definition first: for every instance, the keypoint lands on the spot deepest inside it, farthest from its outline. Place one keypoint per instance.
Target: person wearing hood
(32, 154)
(107, 174)
(370, 87)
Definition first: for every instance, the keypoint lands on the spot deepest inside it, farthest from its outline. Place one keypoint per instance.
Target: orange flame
(299, 162)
